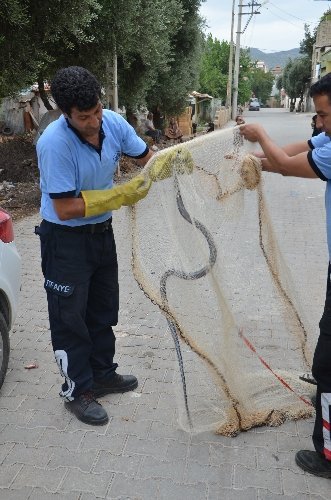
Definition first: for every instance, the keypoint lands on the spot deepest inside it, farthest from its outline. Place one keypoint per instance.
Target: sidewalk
(46, 453)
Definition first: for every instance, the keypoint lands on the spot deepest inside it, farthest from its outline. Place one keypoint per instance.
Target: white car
(10, 283)
(254, 105)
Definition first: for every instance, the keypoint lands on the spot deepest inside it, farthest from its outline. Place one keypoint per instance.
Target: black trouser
(81, 280)
(322, 373)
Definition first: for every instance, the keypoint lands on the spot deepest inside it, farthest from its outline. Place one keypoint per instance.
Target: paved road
(142, 454)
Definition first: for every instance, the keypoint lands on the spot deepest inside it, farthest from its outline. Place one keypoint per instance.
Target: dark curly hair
(322, 87)
(75, 87)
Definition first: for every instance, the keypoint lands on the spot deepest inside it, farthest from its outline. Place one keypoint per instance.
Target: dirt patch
(19, 175)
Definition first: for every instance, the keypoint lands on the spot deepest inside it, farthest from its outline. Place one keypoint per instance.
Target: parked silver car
(10, 283)
(254, 105)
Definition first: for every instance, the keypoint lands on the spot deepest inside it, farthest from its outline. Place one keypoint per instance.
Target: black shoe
(313, 462)
(307, 377)
(117, 383)
(87, 409)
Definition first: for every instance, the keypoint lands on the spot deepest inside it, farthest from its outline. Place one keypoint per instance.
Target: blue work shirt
(320, 161)
(68, 164)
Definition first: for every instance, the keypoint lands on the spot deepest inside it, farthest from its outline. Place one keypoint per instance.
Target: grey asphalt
(45, 453)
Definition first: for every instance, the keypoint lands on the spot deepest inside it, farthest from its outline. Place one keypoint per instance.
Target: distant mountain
(272, 59)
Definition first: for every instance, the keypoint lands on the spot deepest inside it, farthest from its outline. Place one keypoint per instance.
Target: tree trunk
(42, 93)
(292, 104)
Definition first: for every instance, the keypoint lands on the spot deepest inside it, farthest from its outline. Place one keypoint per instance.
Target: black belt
(100, 227)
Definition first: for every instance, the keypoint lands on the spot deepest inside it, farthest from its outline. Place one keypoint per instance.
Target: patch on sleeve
(117, 156)
(63, 289)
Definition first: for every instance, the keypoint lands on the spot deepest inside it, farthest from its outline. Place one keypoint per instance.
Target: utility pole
(237, 54)
(230, 74)
(236, 64)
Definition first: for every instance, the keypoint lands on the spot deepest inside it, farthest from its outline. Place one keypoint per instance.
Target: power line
(282, 18)
(272, 12)
(285, 12)
(289, 14)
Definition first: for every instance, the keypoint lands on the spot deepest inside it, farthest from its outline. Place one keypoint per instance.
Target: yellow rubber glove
(100, 201)
(164, 164)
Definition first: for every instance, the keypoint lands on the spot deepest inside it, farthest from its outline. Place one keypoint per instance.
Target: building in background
(321, 58)
(261, 65)
(276, 70)
(321, 51)
(325, 65)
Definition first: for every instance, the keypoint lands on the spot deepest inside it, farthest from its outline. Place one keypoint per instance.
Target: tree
(214, 67)
(261, 83)
(34, 34)
(245, 68)
(214, 70)
(156, 44)
(172, 85)
(14, 67)
(140, 35)
(307, 44)
(296, 76)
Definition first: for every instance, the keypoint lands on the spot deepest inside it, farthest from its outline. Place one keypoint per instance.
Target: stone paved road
(45, 453)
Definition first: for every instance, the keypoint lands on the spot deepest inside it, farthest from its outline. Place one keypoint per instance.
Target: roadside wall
(222, 116)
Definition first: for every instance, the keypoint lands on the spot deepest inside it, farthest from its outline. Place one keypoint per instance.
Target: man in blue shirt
(77, 158)
(310, 159)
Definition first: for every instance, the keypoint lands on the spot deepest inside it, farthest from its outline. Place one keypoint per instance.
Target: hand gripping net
(205, 253)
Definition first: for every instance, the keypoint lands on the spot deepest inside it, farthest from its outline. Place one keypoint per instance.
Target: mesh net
(205, 253)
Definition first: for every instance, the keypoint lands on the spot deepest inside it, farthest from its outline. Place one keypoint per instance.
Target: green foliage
(307, 44)
(174, 83)
(157, 45)
(245, 68)
(13, 19)
(35, 34)
(261, 83)
(215, 68)
(296, 76)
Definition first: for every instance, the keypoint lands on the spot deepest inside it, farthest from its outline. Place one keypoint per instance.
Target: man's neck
(93, 139)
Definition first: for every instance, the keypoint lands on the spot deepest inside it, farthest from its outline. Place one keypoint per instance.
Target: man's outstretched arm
(290, 161)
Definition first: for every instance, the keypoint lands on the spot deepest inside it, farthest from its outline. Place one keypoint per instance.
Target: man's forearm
(291, 160)
(296, 148)
(275, 155)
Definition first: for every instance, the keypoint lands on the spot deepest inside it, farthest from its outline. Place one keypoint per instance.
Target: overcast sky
(280, 26)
